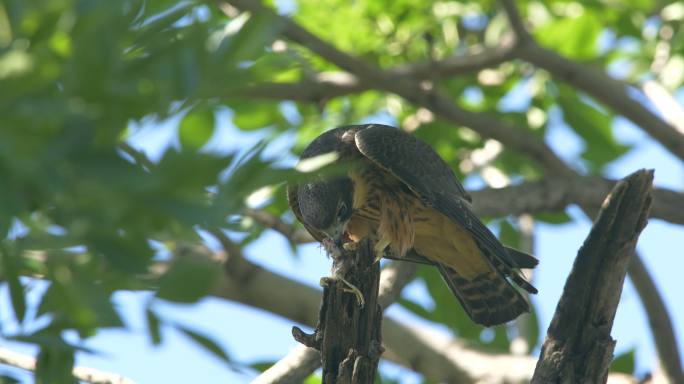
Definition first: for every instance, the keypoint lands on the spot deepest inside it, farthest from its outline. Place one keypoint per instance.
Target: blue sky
(251, 335)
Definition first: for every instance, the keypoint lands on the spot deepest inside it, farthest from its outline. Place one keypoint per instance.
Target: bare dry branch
(86, 375)
(578, 347)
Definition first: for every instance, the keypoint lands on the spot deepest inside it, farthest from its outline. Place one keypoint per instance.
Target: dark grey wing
(293, 201)
(410, 159)
(418, 166)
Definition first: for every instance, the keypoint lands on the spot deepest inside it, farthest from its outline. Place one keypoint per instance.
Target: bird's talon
(350, 246)
(351, 288)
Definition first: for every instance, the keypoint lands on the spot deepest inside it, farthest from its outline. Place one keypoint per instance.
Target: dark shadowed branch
(546, 195)
(578, 347)
(439, 357)
(418, 93)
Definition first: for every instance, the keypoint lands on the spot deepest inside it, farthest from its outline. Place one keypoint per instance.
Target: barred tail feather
(489, 299)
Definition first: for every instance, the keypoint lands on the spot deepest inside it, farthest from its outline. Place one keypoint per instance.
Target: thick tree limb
(294, 368)
(547, 195)
(578, 347)
(553, 194)
(328, 85)
(419, 93)
(438, 357)
(86, 375)
(598, 84)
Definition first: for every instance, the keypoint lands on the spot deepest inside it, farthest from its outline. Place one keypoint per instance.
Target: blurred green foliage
(82, 209)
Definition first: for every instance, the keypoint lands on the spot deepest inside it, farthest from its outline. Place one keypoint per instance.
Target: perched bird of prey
(400, 192)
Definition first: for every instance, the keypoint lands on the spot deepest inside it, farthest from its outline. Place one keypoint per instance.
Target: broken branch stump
(578, 346)
(348, 330)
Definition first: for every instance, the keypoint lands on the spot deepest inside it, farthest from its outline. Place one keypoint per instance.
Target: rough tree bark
(348, 330)
(578, 347)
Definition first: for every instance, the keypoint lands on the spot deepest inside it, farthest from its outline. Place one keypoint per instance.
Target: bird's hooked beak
(337, 234)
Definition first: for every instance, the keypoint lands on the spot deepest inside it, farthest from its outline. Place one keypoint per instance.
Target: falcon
(398, 191)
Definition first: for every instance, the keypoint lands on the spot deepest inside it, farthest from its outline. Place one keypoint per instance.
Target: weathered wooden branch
(302, 361)
(578, 347)
(82, 374)
(348, 330)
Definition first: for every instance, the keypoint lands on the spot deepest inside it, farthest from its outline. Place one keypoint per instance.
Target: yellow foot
(352, 289)
(350, 246)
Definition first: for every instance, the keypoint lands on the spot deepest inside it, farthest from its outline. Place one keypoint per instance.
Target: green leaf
(10, 272)
(252, 115)
(208, 344)
(196, 128)
(574, 37)
(54, 365)
(509, 235)
(261, 366)
(6, 379)
(257, 32)
(188, 280)
(553, 217)
(593, 126)
(624, 362)
(416, 308)
(313, 379)
(153, 326)
(533, 328)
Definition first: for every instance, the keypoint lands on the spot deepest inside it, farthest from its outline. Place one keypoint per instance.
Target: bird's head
(327, 206)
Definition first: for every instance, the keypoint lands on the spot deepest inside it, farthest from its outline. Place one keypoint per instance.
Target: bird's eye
(342, 210)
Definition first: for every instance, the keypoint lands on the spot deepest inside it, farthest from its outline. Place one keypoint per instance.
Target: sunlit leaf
(594, 126)
(10, 273)
(574, 37)
(196, 128)
(188, 280)
(624, 363)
